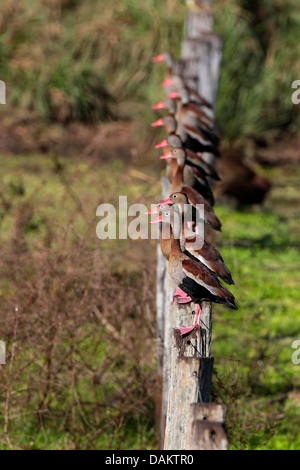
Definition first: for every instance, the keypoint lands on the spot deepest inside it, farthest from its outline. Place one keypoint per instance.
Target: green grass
(253, 346)
(53, 264)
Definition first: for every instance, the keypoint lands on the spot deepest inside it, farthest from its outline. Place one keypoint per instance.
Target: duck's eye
(174, 196)
(167, 214)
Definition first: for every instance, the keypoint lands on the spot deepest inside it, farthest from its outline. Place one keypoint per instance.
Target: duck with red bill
(194, 244)
(192, 276)
(194, 159)
(202, 126)
(194, 198)
(165, 230)
(192, 115)
(165, 245)
(168, 104)
(177, 82)
(194, 139)
(192, 176)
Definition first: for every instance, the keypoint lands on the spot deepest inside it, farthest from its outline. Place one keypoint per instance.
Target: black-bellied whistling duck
(195, 245)
(172, 127)
(174, 140)
(173, 66)
(165, 246)
(196, 140)
(169, 122)
(192, 276)
(164, 238)
(195, 132)
(193, 158)
(167, 58)
(189, 113)
(165, 241)
(239, 180)
(174, 79)
(192, 176)
(168, 104)
(193, 196)
(194, 129)
(178, 83)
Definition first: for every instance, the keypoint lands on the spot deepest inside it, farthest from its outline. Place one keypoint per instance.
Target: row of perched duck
(195, 265)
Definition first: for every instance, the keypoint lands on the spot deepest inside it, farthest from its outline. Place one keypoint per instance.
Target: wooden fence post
(206, 429)
(185, 364)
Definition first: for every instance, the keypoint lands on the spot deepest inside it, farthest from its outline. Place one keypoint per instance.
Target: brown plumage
(195, 246)
(193, 196)
(197, 131)
(239, 180)
(207, 254)
(193, 158)
(192, 276)
(194, 132)
(190, 114)
(178, 83)
(193, 174)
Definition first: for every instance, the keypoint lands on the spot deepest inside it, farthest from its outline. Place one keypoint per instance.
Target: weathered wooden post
(185, 364)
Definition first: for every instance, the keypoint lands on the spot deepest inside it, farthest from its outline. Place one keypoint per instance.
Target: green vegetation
(253, 347)
(77, 312)
(261, 50)
(91, 60)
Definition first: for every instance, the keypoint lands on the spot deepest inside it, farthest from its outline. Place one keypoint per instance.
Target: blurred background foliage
(90, 60)
(81, 364)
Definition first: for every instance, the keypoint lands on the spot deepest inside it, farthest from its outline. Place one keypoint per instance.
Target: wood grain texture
(206, 436)
(183, 391)
(184, 376)
(206, 430)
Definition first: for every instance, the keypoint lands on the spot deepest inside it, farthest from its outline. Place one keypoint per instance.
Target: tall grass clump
(91, 60)
(260, 63)
(74, 60)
